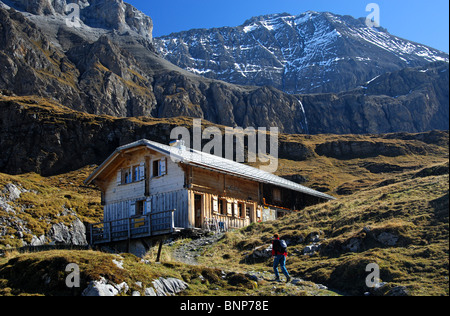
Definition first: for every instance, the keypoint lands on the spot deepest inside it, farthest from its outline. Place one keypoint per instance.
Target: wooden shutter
(277, 195)
(229, 208)
(162, 167)
(142, 171)
(132, 208)
(119, 177)
(215, 205)
(147, 206)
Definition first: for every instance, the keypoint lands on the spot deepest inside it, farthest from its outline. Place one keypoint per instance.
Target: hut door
(198, 210)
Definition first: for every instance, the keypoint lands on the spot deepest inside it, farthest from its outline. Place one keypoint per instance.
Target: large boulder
(75, 234)
(387, 239)
(100, 288)
(262, 252)
(167, 287)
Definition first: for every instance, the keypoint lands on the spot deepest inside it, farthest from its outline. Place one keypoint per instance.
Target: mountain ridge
(287, 49)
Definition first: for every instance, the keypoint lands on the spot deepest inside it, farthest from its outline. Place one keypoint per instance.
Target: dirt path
(189, 252)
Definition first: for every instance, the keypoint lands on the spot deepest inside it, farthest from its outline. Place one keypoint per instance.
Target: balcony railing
(152, 224)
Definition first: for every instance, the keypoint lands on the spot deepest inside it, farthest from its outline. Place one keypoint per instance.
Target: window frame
(277, 195)
(132, 174)
(127, 175)
(157, 170)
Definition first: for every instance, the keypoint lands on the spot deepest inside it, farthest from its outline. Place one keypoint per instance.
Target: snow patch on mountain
(305, 53)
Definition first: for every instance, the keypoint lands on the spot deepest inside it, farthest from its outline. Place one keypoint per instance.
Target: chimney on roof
(178, 144)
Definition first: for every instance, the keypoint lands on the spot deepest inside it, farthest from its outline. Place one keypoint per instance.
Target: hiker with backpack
(279, 252)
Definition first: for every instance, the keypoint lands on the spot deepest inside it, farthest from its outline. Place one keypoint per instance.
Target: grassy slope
(44, 274)
(412, 205)
(347, 175)
(46, 199)
(415, 209)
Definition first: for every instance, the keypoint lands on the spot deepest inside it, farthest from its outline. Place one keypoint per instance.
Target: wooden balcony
(224, 223)
(149, 225)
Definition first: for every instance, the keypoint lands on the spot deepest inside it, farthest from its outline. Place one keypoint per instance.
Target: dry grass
(413, 209)
(45, 202)
(44, 273)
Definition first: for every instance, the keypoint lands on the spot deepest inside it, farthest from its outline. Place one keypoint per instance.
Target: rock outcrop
(109, 14)
(162, 287)
(100, 288)
(167, 287)
(66, 228)
(74, 234)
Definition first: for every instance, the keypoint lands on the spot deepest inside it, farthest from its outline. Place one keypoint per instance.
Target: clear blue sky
(425, 22)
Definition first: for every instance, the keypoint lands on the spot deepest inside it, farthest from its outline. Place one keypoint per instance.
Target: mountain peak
(265, 17)
(334, 20)
(311, 52)
(108, 14)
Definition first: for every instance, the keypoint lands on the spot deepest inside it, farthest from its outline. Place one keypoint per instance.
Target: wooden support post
(172, 222)
(91, 232)
(158, 257)
(149, 218)
(110, 231)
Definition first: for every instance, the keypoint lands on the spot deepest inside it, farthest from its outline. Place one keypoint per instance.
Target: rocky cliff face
(413, 99)
(308, 53)
(73, 70)
(111, 68)
(120, 75)
(39, 135)
(109, 14)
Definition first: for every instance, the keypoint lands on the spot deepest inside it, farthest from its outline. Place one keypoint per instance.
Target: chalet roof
(199, 159)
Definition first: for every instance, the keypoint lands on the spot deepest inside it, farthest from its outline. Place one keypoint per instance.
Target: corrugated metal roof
(207, 161)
